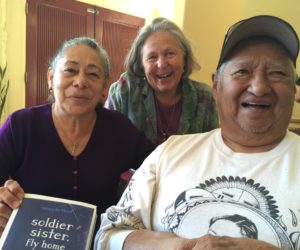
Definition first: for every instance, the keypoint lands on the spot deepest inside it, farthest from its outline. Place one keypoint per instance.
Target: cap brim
(268, 26)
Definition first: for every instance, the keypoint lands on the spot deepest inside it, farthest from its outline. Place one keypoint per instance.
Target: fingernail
(16, 204)
(20, 196)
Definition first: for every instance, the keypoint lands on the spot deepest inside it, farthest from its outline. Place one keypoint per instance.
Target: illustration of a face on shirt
(233, 207)
(233, 226)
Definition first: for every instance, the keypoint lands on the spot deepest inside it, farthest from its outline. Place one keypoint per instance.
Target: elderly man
(249, 168)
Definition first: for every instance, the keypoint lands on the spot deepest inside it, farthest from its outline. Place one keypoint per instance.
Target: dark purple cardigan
(32, 153)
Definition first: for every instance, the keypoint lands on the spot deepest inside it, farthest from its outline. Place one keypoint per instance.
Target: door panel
(116, 31)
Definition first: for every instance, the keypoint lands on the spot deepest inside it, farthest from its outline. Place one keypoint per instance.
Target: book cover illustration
(44, 222)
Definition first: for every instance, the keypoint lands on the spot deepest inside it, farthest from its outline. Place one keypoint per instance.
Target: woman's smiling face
(163, 62)
(78, 80)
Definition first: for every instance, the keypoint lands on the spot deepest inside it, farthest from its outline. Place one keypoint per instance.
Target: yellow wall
(149, 9)
(203, 21)
(12, 51)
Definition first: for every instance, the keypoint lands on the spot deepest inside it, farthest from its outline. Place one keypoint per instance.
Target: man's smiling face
(255, 88)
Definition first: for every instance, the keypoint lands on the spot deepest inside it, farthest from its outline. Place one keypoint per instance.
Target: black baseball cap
(262, 25)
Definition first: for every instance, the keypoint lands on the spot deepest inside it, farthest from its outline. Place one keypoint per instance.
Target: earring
(50, 90)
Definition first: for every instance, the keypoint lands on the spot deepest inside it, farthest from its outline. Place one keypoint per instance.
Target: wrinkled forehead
(254, 41)
(80, 54)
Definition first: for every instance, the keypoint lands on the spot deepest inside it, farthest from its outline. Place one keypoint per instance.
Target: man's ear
(50, 75)
(214, 78)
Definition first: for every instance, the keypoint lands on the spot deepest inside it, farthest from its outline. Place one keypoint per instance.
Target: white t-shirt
(193, 185)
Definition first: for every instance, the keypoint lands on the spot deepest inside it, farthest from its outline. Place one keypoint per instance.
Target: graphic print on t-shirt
(234, 207)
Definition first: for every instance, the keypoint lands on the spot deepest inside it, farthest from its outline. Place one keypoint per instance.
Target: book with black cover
(44, 222)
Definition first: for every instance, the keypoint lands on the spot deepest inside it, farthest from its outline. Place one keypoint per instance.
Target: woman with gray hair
(70, 148)
(156, 92)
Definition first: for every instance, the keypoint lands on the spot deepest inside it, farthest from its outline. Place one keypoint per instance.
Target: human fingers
(210, 242)
(11, 194)
(5, 213)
